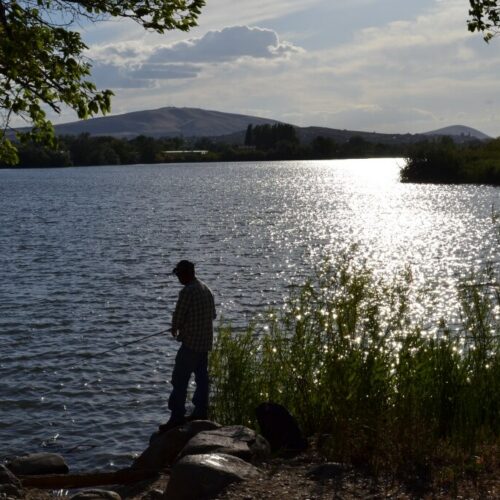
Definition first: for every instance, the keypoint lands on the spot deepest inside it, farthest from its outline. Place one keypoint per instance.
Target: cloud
(215, 15)
(407, 75)
(415, 73)
(109, 75)
(151, 71)
(225, 12)
(140, 76)
(435, 43)
(228, 44)
(130, 65)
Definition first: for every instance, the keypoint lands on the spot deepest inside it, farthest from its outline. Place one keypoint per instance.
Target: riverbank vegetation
(445, 162)
(350, 362)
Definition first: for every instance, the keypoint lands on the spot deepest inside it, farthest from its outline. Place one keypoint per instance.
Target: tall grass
(348, 360)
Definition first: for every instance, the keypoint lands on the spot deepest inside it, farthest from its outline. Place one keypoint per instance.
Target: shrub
(347, 360)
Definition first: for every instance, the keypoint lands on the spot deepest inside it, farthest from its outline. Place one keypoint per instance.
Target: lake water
(86, 255)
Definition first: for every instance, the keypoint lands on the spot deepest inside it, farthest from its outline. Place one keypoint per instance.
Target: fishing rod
(88, 443)
(120, 346)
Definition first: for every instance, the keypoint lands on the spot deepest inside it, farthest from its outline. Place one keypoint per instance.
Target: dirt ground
(289, 478)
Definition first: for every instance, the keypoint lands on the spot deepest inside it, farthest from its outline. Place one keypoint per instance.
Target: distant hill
(231, 127)
(456, 131)
(459, 133)
(308, 134)
(164, 122)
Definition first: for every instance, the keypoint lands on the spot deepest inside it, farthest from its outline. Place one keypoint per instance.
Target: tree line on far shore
(436, 160)
(262, 142)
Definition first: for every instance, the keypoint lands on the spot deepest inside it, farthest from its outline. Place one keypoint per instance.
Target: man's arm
(181, 310)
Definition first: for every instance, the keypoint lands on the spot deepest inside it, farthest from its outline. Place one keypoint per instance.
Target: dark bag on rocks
(279, 427)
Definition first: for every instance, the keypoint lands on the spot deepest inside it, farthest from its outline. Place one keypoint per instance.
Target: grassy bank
(349, 362)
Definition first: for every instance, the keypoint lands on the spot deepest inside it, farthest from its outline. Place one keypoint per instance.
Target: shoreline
(289, 476)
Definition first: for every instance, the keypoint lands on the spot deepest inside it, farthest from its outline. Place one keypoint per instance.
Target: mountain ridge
(173, 121)
(459, 130)
(168, 121)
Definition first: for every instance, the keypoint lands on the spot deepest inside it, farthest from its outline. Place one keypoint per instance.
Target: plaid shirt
(193, 316)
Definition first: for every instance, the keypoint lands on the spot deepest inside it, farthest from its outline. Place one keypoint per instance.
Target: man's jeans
(187, 362)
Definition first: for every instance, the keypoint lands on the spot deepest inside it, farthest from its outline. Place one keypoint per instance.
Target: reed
(348, 360)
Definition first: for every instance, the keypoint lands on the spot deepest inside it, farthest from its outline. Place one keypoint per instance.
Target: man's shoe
(171, 424)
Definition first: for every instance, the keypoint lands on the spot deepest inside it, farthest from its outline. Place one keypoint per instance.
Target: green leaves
(8, 153)
(42, 64)
(484, 17)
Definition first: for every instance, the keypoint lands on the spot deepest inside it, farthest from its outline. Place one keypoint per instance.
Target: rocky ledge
(199, 459)
(203, 459)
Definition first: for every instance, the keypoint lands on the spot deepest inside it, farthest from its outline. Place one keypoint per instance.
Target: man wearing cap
(192, 325)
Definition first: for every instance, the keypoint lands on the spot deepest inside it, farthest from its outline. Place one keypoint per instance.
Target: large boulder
(201, 476)
(11, 491)
(164, 447)
(37, 464)
(236, 440)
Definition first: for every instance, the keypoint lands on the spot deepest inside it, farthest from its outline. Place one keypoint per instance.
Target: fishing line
(89, 444)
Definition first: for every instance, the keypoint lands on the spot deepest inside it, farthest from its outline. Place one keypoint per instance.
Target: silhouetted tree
(34, 155)
(267, 136)
(324, 147)
(249, 136)
(147, 148)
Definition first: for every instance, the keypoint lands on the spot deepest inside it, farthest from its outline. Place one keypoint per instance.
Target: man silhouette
(192, 325)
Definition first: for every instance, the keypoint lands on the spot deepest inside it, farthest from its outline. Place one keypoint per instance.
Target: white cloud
(218, 13)
(125, 65)
(228, 44)
(109, 75)
(404, 76)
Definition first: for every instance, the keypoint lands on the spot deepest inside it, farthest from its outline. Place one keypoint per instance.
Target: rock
(6, 477)
(279, 427)
(36, 464)
(96, 495)
(165, 447)
(10, 491)
(235, 440)
(329, 470)
(153, 495)
(200, 476)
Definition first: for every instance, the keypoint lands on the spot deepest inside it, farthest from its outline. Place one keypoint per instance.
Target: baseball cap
(183, 266)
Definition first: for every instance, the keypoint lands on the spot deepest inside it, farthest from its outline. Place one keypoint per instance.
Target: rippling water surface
(85, 259)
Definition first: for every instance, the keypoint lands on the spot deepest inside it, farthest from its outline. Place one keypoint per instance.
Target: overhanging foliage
(42, 63)
(484, 17)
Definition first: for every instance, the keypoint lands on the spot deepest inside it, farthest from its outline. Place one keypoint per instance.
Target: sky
(392, 66)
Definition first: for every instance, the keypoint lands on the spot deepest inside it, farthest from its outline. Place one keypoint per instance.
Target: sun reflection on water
(86, 255)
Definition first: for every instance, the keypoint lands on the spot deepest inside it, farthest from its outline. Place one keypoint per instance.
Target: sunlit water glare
(86, 255)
